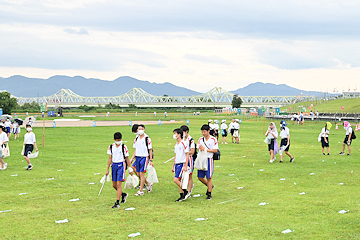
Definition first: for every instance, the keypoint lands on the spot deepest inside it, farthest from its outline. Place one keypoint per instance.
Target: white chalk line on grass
(231, 229)
(100, 228)
(229, 200)
(169, 160)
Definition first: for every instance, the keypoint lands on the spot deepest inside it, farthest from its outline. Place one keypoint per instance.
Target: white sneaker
(149, 188)
(226, 143)
(271, 160)
(222, 143)
(5, 166)
(139, 193)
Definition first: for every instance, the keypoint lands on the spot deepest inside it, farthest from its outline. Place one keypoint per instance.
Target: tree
(7, 103)
(236, 102)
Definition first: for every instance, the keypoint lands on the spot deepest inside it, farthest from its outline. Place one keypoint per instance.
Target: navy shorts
(209, 173)
(28, 149)
(7, 129)
(178, 169)
(224, 132)
(271, 145)
(323, 143)
(118, 172)
(284, 142)
(346, 140)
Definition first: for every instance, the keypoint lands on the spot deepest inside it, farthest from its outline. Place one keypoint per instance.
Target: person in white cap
(3, 140)
(231, 129)
(211, 125)
(223, 131)
(236, 131)
(216, 129)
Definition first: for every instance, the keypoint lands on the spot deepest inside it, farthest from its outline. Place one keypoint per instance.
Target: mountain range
(21, 86)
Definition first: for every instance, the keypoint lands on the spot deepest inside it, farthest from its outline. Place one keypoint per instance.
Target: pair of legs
(271, 154)
(222, 139)
(207, 182)
(2, 163)
(287, 153)
(237, 140)
(208, 174)
(328, 150)
(349, 148)
(118, 188)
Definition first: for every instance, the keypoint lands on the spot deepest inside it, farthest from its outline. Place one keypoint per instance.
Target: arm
(288, 139)
(150, 157)
(192, 151)
(108, 165)
(212, 150)
(36, 148)
(349, 138)
(187, 162)
(133, 156)
(173, 166)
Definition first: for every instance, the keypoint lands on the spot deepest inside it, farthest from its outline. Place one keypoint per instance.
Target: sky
(198, 44)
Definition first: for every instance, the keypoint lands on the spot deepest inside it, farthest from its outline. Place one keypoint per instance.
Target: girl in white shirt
(348, 137)
(272, 134)
(223, 131)
(30, 142)
(3, 140)
(325, 138)
(285, 140)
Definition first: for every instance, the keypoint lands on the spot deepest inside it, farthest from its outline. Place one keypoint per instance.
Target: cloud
(207, 59)
(81, 31)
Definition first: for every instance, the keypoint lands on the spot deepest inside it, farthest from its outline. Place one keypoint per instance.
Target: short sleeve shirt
(192, 144)
(324, 131)
(29, 138)
(349, 130)
(180, 152)
(211, 143)
(117, 154)
(284, 133)
(140, 146)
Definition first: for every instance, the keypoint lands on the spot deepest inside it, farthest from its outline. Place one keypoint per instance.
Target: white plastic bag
(185, 178)
(6, 151)
(33, 155)
(319, 138)
(131, 182)
(282, 149)
(236, 134)
(267, 140)
(201, 162)
(152, 177)
(2, 155)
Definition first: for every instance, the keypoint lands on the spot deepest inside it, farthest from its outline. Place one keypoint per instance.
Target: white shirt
(29, 138)
(223, 126)
(210, 144)
(7, 124)
(192, 144)
(140, 146)
(236, 126)
(284, 133)
(180, 152)
(3, 137)
(211, 126)
(15, 125)
(325, 133)
(231, 125)
(270, 136)
(216, 126)
(349, 130)
(117, 154)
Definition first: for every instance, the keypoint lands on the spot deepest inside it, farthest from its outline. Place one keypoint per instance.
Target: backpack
(353, 136)
(147, 145)
(195, 152)
(216, 155)
(123, 151)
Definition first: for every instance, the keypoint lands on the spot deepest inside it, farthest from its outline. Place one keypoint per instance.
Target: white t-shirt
(348, 131)
(140, 146)
(236, 126)
(284, 133)
(117, 154)
(7, 124)
(210, 144)
(211, 126)
(180, 152)
(323, 132)
(29, 138)
(270, 136)
(231, 126)
(192, 144)
(223, 126)
(15, 125)
(3, 137)
(216, 126)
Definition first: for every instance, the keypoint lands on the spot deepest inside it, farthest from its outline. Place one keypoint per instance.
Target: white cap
(210, 120)
(224, 120)
(216, 121)
(237, 120)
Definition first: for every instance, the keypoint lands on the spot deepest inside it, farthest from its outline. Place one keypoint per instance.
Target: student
(189, 141)
(347, 140)
(142, 155)
(216, 129)
(15, 127)
(272, 134)
(302, 118)
(211, 126)
(209, 144)
(119, 160)
(236, 127)
(165, 114)
(30, 142)
(325, 138)
(8, 127)
(181, 161)
(223, 131)
(3, 140)
(285, 140)
(231, 129)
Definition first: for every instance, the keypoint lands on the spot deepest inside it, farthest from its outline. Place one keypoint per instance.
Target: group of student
(349, 136)
(185, 151)
(28, 146)
(233, 128)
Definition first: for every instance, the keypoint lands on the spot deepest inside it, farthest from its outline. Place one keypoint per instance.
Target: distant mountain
(21, 86)
(269, 89)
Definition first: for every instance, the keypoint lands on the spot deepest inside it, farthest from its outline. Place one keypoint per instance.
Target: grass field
(232, 213)
(350, 105)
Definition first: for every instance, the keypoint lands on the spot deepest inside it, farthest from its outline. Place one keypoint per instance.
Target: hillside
(350, 105)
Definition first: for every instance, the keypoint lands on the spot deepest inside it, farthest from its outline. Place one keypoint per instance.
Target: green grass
(232, 213)
(350, 105)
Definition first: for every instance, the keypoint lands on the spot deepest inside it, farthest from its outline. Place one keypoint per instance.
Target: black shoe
(209, 197)
(116, 205)
(328, 154)
(124, 197)
(181, 198)
(348, 154)
(341, 153)
(29, 167)
(281, 161)
(291, 160)
(323, 153)
(186, 195)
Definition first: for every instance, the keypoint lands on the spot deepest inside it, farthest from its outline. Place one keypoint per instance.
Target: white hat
(210, 120)
(224, 120)
(237, 120)
(216, 121)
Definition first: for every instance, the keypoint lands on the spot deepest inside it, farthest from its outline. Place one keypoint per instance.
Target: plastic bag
(319, 138)
(131, 182)
(2, 155)
(185, 178)
(6, 151)
(276, 147)
(236, 134)
(267, 140)
(33, 155)
(152, 177)
(282, 149)
(201, 161)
